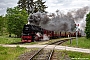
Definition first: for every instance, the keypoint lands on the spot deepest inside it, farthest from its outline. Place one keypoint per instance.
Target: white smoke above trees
(59, 22)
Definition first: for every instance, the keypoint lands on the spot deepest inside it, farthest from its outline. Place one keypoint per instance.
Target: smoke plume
(38, 18)
(60, 21)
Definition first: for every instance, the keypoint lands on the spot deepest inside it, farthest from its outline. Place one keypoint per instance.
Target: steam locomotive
(33, 33)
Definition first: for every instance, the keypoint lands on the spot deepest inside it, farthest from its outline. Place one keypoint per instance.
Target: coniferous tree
(32, 6)
(27, 5)
(87, 29)
(22, 4)
(39, 6)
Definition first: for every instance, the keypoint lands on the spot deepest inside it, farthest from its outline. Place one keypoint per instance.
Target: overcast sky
(53, 5)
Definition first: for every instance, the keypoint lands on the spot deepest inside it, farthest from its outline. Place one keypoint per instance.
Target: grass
(12, 40)
(7, 53)
(78, 55)
(8, 40)
(82, 43)
(72, 55)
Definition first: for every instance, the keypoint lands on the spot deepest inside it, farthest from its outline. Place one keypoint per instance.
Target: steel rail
(37, 53)
(51, 53)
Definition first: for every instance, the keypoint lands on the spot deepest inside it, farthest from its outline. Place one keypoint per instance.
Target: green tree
(1, 24)
(16, 18)
(32, 6)
(26, 4)
(87, 29)
(39, 6)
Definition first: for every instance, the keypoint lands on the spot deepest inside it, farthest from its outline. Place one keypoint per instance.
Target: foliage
(39, 6)
(87, 29)
(1, 21)
(32, 6)
(16, 18)
(1, 24)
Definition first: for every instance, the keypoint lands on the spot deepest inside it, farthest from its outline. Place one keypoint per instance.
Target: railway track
(45, 53)
(58, 42)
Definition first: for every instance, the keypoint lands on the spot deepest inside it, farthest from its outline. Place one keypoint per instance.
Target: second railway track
(59, 42)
